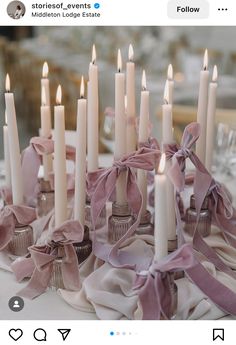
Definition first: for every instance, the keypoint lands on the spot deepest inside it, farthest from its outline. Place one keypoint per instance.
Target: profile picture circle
(16, 9)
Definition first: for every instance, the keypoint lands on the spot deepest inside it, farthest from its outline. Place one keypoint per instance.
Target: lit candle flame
(5, 117)
(167, 93)
(58, 95)
(45, 70)
(119, 61)
(94, 54)
(82, 87)
(162, 164)
(131, 52)
(8, 84)
(215, 74)
(205, 60)
(170, 72)
(144, 81)
(43, 97)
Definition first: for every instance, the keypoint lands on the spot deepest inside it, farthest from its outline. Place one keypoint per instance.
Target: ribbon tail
(38, 283)
(23, 268)
(218, 293)
(102, 193)
(150, 306)
(70, 269)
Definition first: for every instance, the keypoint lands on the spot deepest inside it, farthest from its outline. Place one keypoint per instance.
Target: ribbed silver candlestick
(204, 223)
(145, 227)
(119, 222)
(56, 281)
(45, 199)
(22, 239)
(83, 249)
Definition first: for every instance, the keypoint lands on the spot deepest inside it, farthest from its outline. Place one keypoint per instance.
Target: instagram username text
(73, 10)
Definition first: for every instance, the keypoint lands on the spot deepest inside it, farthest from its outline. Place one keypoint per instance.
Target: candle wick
(144, 88)
(165, 101)
(205, 68)
(119, 70)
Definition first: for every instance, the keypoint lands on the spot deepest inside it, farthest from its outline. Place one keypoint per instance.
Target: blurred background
(68, 53)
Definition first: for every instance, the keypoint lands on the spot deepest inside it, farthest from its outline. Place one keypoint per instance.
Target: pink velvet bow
(156, 285)
(31, 161)
(179, 154)
(40, 265)
(12, 216)
(220, 205)
(101, 185)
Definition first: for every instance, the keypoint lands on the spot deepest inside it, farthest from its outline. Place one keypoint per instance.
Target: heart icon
(16, 334)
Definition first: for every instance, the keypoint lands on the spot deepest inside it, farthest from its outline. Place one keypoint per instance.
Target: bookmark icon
(64, 333)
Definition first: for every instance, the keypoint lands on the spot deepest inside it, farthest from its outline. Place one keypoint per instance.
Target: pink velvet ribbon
(12, 216)
(39, 265)
(31, 161)
(221, 208)
(101, 185)
(155, 285)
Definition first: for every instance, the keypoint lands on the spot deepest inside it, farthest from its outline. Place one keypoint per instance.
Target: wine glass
(231, 153)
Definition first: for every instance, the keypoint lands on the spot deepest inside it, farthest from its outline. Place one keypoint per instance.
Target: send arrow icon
(64, 333)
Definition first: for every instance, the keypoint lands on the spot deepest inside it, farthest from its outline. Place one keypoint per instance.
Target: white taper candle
(143, 137)
(14, 147)
(130, 110)
(202, 109)
(211, 111)
(60, 161)
(161, 216)
(93, 114)
(120, 129)
(80, 163)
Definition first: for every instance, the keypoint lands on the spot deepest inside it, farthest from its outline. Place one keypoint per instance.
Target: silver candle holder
(45, 199)
(101, 221)
(119, 222)
(22, 239)
(204, 223)
(145, 226)
(172, 245)
(83, 249)
(174, 295)
(56, 281)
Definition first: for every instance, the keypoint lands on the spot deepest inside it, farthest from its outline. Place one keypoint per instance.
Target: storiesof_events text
(72, 10)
